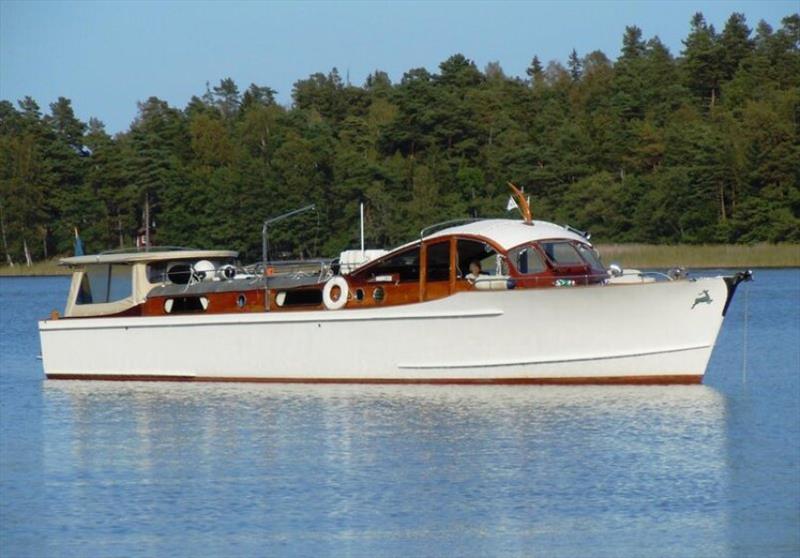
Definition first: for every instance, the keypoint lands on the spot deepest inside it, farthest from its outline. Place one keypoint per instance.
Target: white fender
(337, 281)
(492, 283)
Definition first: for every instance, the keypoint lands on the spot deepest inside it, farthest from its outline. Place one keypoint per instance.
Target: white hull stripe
(546, 360)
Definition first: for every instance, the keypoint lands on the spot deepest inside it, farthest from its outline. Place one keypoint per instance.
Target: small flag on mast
(78, 244)
(521, 203)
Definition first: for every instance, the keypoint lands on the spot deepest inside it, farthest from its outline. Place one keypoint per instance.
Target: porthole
(241, 300)
(359, 295)
(378, 294)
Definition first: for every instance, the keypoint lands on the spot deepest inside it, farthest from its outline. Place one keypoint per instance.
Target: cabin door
(436, 280)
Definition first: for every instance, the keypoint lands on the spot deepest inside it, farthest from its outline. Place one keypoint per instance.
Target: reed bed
(701, 255)
(48, 267)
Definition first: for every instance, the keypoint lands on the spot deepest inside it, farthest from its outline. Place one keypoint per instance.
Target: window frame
(555, 264)
(462, 271)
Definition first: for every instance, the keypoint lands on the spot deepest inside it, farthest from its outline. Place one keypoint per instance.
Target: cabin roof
(143, 257)
(508, 233)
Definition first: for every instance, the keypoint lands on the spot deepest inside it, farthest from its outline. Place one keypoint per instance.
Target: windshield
(591, 256)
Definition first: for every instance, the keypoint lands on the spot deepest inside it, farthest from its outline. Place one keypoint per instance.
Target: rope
(744, 333)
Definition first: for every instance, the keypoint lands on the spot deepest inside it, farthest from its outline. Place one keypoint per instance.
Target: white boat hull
(636, 333)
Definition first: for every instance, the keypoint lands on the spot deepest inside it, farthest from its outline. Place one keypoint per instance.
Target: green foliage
(702, 147)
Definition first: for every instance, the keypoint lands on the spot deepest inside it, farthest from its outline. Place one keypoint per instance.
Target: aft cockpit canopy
(114, 283)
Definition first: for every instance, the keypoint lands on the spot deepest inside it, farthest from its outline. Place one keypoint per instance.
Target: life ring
(327, 293)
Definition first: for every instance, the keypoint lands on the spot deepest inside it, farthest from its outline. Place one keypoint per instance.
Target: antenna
(362, 229)
(147, 222)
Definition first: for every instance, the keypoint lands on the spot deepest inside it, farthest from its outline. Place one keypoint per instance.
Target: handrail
(268, 222)
(265, 242)
(137, 250)
(655, 273)
(296, 262)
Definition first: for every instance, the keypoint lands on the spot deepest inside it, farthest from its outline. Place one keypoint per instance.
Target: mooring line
(744, 334)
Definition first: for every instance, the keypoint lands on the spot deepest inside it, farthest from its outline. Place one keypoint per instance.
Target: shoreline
(689, 256)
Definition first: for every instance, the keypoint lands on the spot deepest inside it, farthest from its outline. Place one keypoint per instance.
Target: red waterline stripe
(682, 379)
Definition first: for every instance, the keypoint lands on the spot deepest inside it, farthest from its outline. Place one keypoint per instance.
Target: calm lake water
(95, 469)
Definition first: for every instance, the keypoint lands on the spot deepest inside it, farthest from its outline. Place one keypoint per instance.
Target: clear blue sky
(106, 56)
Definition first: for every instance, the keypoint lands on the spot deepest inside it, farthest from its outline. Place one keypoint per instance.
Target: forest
(700, 146)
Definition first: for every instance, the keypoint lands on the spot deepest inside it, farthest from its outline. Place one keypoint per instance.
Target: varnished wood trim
(683, 379)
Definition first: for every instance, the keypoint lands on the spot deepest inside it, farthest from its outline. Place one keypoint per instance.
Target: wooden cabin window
(562, 253)
(403, 267)
(528, 260)
(104, 283)
(302, 297)
(438, 261)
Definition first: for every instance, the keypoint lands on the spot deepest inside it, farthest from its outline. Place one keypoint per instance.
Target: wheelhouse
(506, 255)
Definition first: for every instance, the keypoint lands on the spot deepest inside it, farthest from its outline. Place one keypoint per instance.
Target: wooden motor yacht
(485, 301)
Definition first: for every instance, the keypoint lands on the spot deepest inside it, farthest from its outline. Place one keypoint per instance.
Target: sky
(106, 56)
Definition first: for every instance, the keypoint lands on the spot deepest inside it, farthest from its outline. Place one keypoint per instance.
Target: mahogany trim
(666, 379)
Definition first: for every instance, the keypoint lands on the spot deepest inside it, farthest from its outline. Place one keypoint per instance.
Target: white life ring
(327, 298)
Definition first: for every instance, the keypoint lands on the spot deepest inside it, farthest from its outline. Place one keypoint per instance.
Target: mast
(147, 222)
(362, 229)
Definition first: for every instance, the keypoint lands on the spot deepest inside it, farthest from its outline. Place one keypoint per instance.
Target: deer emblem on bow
(704, 297)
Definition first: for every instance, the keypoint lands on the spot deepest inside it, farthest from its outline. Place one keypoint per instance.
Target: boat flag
(524, 205)
(78, 244)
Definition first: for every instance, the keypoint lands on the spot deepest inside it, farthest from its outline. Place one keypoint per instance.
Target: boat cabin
(486, 255)
(497, 254)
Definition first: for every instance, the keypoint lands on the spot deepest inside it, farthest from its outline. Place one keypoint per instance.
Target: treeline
(702, 147)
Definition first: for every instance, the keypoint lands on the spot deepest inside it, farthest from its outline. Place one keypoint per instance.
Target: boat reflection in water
(477, 470)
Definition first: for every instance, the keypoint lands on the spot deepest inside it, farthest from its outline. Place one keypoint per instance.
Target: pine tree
(703, 61)
(632, 44)
(575, 66)
(535, 71)
(735, 44)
